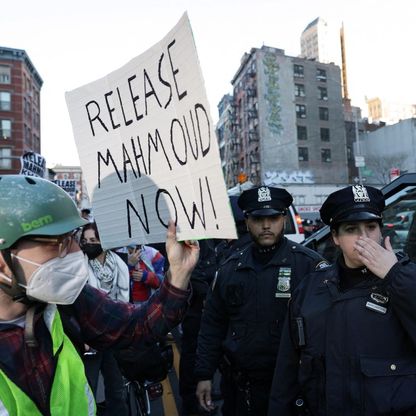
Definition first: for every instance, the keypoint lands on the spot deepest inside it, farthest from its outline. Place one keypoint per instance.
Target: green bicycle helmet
(34, 206)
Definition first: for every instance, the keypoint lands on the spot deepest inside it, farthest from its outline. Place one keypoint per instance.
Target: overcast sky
(75, 42)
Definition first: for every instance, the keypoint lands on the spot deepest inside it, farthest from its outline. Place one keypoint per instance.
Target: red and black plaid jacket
(103, 323)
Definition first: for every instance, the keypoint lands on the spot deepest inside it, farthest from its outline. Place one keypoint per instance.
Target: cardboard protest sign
(148, 149)
(68, 185)
(32, 164)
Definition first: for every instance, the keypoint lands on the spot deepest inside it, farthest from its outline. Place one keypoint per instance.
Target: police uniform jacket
(245, 309)
(352, 352)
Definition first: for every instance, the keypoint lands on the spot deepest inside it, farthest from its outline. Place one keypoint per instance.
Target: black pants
(187, 383)
(245, 400)
(115, 392)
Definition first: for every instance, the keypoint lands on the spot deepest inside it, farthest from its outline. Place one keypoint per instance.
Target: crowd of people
(289, 333)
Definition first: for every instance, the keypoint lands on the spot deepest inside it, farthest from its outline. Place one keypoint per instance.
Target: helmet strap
(18, 294)
(30, 327)
(15, 291)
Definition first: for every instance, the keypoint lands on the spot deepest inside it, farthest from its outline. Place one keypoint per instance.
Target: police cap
(307, 222)
(265, 201)
(354, 203)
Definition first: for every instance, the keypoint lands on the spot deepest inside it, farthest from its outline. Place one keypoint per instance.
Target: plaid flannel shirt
(103, 323)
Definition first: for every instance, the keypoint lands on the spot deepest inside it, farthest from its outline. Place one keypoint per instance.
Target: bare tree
(381, 165)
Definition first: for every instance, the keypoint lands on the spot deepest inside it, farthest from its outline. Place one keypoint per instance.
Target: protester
(146, 266)
(349, 343)
(41, 266)
(86, 214)
(109, 273)
(247, 304)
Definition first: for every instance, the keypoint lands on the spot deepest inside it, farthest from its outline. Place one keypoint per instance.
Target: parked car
(294, 228)
(398, 229)
(401, 221)
(398, 220)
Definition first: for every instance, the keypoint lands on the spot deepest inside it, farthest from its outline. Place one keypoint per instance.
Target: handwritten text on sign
(148, 149)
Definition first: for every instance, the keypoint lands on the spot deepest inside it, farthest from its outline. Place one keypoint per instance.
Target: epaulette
(305, 250)
(234, 256)
(401, 255)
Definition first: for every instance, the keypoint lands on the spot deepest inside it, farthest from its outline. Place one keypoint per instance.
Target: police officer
(308, 227)
(349, 343)
(226, 248)
(201, 279)
(246, 306)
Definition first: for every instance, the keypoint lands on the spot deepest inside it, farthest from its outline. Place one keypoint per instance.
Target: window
(326, 155)
(325, 134)
(323, 113)
(5, 75)
(299, 199)
(320, 199)
(302, 133)
(5, 161)
(5, 101)
(28, 135)
(303, 154)
(36, 142)
(35, 119)
(26, 107)
(300, 111)
(322, 93)
(298, 71)
(321, 74)
(299, 90)
(5, 129)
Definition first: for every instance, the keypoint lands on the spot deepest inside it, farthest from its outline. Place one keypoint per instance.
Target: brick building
(20, 86)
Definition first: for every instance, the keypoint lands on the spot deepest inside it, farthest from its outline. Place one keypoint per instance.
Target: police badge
(263, 194)
(360, 193)
(379, 300)
(283, 283)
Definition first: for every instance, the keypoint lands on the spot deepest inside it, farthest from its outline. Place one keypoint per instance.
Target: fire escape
(243, 144)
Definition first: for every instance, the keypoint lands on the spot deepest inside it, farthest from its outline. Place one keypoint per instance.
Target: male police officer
(247, 305)
(308, 227)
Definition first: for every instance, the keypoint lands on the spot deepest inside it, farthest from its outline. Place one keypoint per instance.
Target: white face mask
(59, 280)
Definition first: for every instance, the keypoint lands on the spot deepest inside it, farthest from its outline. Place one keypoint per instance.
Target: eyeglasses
(64, 242)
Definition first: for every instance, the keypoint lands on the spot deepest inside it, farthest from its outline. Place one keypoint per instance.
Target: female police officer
(349, 344)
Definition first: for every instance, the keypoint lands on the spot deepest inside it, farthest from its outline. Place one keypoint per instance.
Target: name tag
(375, 308)
(281, 295)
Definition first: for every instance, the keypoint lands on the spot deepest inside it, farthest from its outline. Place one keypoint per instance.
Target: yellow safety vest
(71, 394)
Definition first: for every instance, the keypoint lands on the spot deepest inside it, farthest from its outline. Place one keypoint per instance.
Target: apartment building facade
(285, 121)
(20, 87)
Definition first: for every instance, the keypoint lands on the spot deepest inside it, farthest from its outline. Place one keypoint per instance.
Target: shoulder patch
(322, 265)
